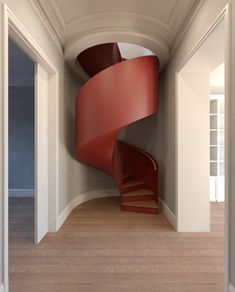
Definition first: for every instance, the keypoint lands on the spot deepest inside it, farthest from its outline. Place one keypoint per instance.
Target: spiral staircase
(118, 93)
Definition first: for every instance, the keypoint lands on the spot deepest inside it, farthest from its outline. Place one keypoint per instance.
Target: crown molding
(57, 38)
(120, 19)
(179, 13)
(58, 14)
(185, 25)
(78, 43)
(153, 33)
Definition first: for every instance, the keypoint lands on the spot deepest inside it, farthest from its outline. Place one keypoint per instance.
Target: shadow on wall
(150, 135)
(82, 178)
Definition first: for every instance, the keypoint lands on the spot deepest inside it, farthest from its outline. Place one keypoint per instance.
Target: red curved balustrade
(118, 93)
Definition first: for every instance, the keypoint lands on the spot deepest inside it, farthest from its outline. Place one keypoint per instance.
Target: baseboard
(169, 214)
(21, 192)
(103, 193)
(231, 288)
(2, 288)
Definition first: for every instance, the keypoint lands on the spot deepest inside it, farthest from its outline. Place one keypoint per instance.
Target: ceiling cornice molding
(185, 25)
(179, 13)
(120, 19)
(151, 31)
(78, 43)
(58, 14)
(58, 41)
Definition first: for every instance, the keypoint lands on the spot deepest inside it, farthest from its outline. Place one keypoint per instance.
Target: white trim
(103, 193)
(31, 47)
(11, 25)
(185, 26)
(228, 142)
(21, 193)
(57, 39)
(26, 42)
(168, 213)
(205, 36)
(4, 41)
(2, 288)
(231, 288)
(58, 14)
(224, 15)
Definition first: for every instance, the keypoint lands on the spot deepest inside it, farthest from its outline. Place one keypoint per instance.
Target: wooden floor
(100, 248)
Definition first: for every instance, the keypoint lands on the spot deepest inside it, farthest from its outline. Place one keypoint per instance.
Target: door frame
(225, 15)
(10, 26)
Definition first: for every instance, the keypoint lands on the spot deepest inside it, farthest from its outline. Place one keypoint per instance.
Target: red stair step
(126, 178)
(138, 195)
(147, 207)
(132, 185)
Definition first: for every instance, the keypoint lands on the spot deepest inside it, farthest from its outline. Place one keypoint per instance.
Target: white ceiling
(153, 24)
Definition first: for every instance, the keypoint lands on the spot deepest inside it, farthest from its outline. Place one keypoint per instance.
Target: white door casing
(10, 25)
(41, 166)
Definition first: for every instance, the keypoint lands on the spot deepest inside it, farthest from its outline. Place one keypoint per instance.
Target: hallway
(100, 248)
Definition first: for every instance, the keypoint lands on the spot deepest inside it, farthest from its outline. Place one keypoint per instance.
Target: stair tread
(131, 183)
(144, 204)
(139, 192)
(126, 176)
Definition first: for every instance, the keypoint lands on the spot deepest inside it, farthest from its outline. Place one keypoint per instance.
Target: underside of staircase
(118, 93)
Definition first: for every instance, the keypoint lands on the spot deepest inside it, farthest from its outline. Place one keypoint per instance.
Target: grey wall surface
(21, 119)
(21, 137)
(80, 178)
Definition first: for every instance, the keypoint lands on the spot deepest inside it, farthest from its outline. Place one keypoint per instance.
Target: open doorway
(21, 128)
(200, 129)
(45, 134)
(202, 110)
(217, 137)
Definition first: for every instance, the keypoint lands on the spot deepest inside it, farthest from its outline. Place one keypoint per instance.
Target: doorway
(21, 128)
(217, 137)
(46, 133)
(200, 141)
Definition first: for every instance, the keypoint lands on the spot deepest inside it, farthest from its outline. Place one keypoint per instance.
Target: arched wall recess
(80, 42)
(157, 26)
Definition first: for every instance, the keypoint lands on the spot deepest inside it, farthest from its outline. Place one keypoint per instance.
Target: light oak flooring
(102, 249)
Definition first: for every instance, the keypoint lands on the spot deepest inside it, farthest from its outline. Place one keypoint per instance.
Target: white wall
(193, 152)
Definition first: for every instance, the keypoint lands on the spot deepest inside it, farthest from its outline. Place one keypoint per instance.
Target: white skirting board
(2, 288)
(21, 192)
(231, 288)
(169, 214)
(103, 193)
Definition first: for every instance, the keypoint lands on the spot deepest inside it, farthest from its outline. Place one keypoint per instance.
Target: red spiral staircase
(118, 93)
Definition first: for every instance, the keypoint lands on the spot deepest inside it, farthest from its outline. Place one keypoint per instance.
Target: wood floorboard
(100, 248)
